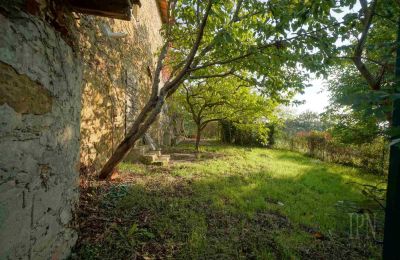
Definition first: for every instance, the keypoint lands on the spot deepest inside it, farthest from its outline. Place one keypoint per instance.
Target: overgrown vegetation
(258, 135)
(372, 157)
(274, 45)
(231, 99)
(318, 137)
(231, 203)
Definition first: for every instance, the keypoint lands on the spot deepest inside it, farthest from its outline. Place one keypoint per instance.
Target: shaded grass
(248, 203)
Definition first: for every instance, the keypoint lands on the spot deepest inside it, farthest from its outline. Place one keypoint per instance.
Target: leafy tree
(357, 113)
(365, 59)
(223, 36)
(305, 122)
(257, 134)
(372, 49)
(271, 134)
(351, 127)
(214, 100)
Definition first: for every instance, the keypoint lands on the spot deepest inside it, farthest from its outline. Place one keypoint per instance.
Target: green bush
(372, 156)
(244, 134)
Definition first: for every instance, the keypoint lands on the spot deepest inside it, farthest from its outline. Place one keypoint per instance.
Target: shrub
(244, 134)
(372, 156)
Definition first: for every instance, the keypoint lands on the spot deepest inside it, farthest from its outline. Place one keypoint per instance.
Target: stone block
(156, 153)
(148, 158)
(136, 153)
(164, 157)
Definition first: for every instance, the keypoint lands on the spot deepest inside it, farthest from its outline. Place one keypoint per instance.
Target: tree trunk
(198, 137)
(153, 107)
(147, 117)
(392, 216)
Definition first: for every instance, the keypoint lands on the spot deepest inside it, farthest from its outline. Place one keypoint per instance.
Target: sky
(316, 97)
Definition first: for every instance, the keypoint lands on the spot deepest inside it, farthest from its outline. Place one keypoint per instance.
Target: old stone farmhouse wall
(40, 86)
(68, 93)
(117, 78)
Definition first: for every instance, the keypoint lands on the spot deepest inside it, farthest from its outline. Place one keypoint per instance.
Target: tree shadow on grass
(252, 215)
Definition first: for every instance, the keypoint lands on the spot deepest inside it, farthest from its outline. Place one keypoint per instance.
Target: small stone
(65, 216)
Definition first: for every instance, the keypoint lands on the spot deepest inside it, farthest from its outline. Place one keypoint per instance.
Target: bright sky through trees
(316, 97)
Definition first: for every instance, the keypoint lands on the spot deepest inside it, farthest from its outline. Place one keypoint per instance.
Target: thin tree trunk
(198, 137)
(153, 107)
(145, 119)
(392, 216)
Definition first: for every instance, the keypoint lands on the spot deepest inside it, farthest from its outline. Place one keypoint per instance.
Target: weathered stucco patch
(40, 93)
(21, 93)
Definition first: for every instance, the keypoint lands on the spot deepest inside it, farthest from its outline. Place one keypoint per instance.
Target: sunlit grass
(252, 203)
(307, 188)
(133, 168)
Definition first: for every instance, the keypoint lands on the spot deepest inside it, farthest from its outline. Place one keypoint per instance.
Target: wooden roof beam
(117, 9)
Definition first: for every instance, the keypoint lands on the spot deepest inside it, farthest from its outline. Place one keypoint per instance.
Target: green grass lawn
(232, 203)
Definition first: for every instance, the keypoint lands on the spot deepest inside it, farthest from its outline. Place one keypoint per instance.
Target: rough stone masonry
(48, 71)
(117, 76)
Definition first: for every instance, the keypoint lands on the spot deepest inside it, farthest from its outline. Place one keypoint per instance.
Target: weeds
(254, 203)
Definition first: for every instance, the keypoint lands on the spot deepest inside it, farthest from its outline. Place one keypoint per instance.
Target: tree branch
(222, 75)
(357, 59)
(178, 78)
(209, 47)
(258, 49)
(191, 107)
(204, 124)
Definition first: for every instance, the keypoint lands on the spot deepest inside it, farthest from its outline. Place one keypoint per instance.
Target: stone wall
(117, 78)
(47, 73)
(40, 82)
